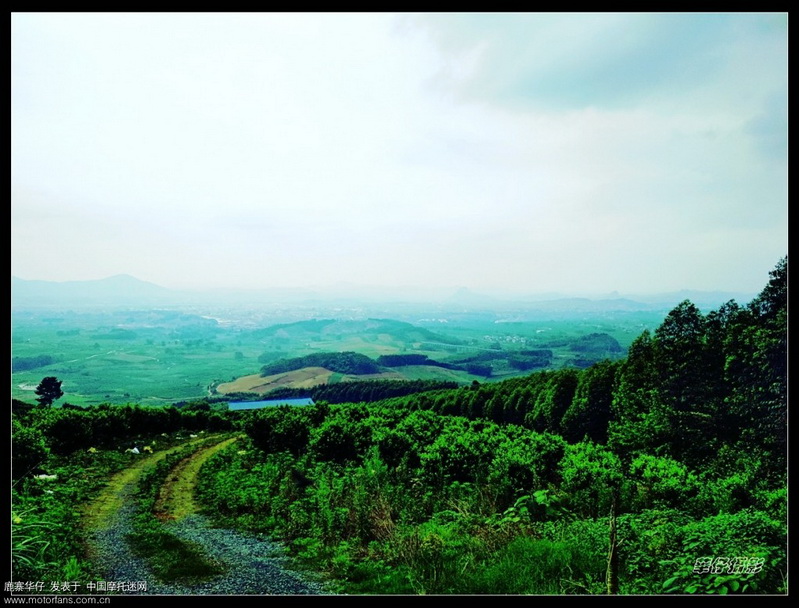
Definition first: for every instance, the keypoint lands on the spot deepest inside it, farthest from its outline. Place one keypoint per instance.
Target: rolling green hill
(341, 329)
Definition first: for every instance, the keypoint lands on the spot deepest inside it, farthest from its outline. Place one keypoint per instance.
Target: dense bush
(66, 430)
(28, 449)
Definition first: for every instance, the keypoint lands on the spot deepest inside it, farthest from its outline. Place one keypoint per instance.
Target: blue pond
(254, 405)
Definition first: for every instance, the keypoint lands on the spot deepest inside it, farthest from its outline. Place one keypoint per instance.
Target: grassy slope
(301, 378)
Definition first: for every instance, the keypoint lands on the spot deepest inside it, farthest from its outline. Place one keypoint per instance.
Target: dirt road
(251, 564)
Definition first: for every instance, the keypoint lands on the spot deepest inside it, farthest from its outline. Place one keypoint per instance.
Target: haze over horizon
(519, 152)
(129, 289)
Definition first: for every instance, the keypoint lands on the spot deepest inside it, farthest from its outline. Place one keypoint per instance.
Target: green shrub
(28, 449)
(661, 482)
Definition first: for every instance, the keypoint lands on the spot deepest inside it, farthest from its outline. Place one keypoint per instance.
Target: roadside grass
(49, 515)
(47, 543)
(28, 543)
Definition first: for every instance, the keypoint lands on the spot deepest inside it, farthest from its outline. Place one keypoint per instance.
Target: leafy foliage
(28, 449)
(362, 390)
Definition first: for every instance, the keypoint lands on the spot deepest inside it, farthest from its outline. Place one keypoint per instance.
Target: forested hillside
(662, 472)
(343, 363)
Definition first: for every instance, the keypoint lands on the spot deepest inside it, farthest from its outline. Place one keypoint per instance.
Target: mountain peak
(118, 290)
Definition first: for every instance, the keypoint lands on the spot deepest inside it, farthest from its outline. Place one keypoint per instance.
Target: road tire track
(253, 564)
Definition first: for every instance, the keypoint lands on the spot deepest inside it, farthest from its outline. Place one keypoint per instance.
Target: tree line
(344, 363)
(362, 391)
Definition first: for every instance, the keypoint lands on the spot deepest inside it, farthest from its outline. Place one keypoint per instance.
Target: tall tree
(637, 417)
(553, 400)
(756, 366)
(773, 300)
(687, 381)
(49, 390)
(590, 409)
(720, 325)
(681, 356)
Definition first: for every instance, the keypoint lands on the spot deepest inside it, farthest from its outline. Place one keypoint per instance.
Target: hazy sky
(534, 152)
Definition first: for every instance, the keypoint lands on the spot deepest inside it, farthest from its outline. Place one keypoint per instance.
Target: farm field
(156, 357)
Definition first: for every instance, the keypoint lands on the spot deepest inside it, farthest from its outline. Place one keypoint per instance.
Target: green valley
(656, 465)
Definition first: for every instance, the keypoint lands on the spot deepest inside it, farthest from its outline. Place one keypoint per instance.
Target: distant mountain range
(118, 291)
(125, 291)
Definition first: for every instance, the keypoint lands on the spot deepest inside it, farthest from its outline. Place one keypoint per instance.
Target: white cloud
(291, 149)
